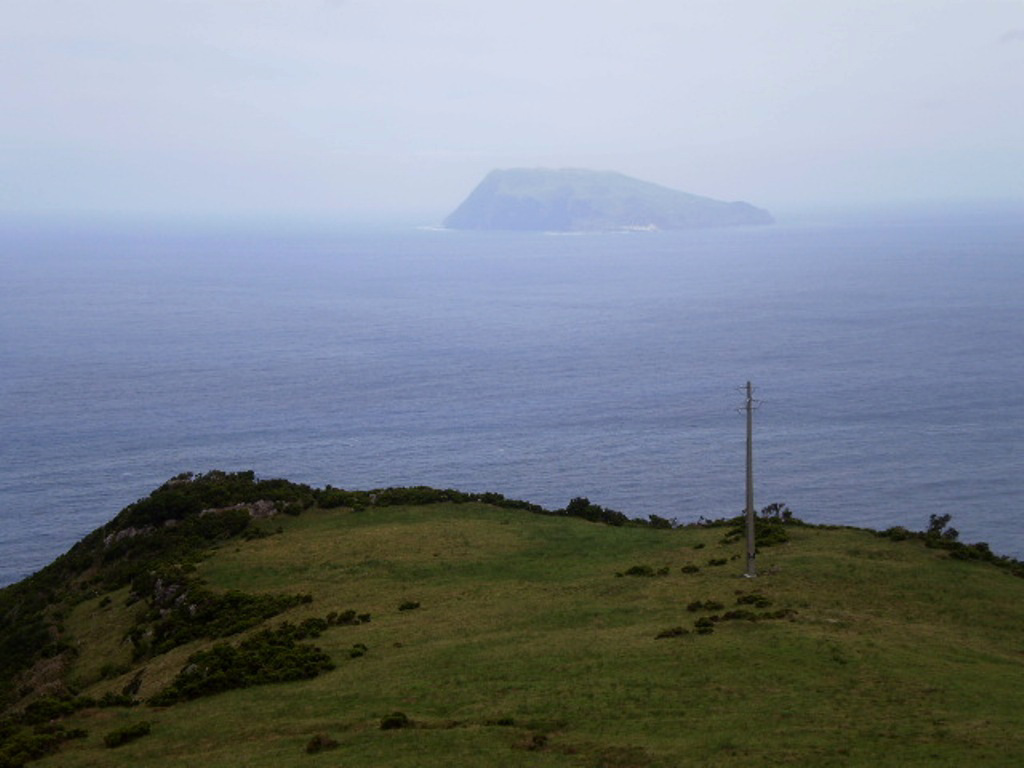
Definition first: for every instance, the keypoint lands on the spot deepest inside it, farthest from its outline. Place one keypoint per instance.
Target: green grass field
(531, 648)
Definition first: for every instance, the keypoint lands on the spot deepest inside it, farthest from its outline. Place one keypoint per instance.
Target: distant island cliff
(576, 200)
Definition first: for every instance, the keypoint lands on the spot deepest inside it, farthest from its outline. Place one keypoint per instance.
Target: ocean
(887, 359)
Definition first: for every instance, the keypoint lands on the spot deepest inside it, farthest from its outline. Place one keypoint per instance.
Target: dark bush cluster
(35, 732)
(124, 735)
(755, 599)
(269, 656)
(409, 605)
(347, 618)
(583, 508)
(704, 605)
(320, 743)
(188, 494)
(770, 526)
(111, 699)
(330, 498)
(20, 745)
(395, 721)
(181, 610)
(50, 708)
(672, 632)
(690, 569)
(645, 571)
(357, 650)
(939, 535)
(705, 624)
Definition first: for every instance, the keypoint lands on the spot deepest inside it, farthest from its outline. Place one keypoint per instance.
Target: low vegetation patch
(269, 656)
(20, 744)
(181, 610)
(357, 650)
(125, 735)
(644, 571)
(770, 526)
(320, 743)
(395, 721)
(940, 535)
(755, 599)
(347, 618)
(672, 632)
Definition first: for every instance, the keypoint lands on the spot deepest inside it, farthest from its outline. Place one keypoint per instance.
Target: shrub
(20, 745)
(108, 671)
(717, 561)
(754, 599)
(739, 615)
(46, 709)
(395, 721)
(896, 533)
(111, 699)
(319, 743)
(690, 569)
(270, 656)
(706, 605)
(640, 570)
(182, 610)
(581, 507)
(357, 650)
(673, 632)
(938, 528)
(124, 735)
(409, 605)
(705, 625)
(311, 627)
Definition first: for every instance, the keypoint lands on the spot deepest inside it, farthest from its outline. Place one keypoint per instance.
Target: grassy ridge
(531, 646)
(524, 621)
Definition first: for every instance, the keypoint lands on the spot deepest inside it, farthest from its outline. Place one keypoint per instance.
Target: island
(578, 200)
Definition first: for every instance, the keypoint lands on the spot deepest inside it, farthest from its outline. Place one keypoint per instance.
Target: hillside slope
(473, 631)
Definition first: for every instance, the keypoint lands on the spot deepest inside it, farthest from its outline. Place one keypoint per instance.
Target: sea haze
(888, 359)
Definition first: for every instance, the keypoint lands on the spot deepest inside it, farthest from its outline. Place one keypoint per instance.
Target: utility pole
(751, 546)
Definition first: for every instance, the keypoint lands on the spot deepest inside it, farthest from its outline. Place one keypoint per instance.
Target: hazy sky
(349, 108)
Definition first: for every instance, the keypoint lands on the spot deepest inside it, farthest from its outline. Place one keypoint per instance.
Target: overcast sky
(352, 108)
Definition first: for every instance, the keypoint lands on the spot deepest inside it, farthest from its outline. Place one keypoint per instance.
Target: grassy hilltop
(294, 626)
